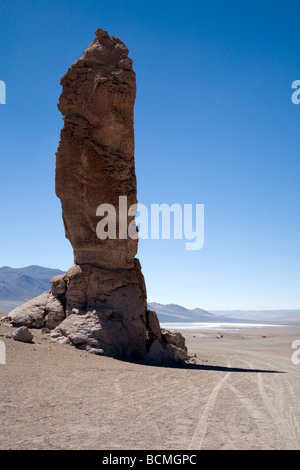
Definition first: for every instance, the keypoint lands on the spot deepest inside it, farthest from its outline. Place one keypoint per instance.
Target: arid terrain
(240, 392)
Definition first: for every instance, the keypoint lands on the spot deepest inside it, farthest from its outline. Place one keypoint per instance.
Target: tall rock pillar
(100, 304)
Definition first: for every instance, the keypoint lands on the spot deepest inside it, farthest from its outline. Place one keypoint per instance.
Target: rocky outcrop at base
(95, 310)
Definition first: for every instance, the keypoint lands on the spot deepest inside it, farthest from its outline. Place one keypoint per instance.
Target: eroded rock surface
(95, 159)
(100, 304)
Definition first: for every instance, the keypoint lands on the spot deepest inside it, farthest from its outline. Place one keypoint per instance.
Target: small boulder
(173, 337)
(97, 351)
(156, 353)
(175, 354)
(32, 313)
(23, 334)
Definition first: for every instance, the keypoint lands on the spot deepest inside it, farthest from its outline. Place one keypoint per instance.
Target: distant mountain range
(22, 284)
(291, 316)
(177, 314)
(173, 313)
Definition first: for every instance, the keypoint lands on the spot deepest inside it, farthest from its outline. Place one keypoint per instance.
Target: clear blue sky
(214, 125)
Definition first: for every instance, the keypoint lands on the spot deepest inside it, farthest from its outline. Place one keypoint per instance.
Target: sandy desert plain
(241, 392)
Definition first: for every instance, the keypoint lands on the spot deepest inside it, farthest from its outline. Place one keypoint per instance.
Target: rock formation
(100, 304)
(22, 334)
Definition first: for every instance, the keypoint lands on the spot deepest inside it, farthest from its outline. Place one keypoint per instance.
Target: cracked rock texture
(100, 304)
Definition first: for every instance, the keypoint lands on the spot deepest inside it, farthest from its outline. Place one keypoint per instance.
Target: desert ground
(240, 392)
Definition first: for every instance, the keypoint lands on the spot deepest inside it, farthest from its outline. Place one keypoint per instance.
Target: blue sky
(214, 125)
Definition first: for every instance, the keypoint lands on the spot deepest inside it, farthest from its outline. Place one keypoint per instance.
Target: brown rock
(173, 353)
(173, 337)
(95, 158)
(54, 312)
(100, 304)
(31, 314)
(153, 326)
(58, 284)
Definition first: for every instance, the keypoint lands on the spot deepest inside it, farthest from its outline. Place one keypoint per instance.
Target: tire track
(201, 428)
(279, 409)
